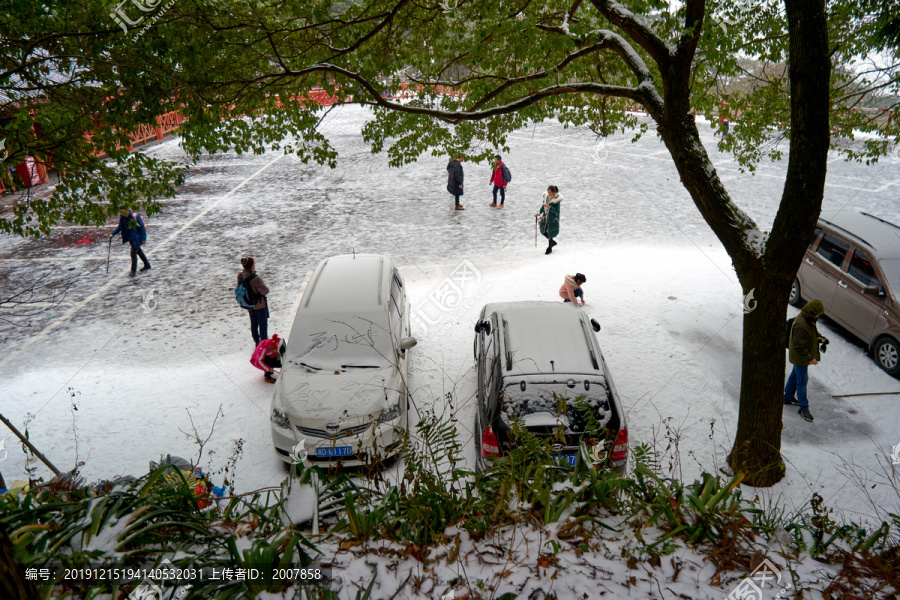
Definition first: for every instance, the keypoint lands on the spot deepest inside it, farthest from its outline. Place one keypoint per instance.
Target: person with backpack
(455, 180)
(251, 294)
(549, 216)
(134, 232)
(500, 178)
(571, 289)
(803, 343)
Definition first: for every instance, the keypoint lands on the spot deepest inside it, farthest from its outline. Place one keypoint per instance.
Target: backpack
(787, 333)
(507, 176)
(244, 294)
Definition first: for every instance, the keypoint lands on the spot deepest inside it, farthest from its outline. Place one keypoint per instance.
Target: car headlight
(389, 414)
(280, 418)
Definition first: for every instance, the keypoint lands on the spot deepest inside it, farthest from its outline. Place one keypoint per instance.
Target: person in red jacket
(571, 289)
(500, 178)
(267, 357)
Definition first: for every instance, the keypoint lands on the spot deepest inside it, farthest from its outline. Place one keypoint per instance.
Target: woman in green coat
(549, 216)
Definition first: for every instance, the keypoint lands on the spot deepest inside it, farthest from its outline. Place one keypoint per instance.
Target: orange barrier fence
(32, 172)
(164, 124)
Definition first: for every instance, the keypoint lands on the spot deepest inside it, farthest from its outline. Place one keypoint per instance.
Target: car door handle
(842, 284)
(809, 261)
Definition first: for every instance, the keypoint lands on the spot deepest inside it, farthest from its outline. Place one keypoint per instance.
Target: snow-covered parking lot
(116, 374)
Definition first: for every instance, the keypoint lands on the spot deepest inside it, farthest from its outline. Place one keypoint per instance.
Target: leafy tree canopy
(74, 80)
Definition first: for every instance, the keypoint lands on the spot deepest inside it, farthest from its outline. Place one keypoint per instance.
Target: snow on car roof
(540, 332)
(882, 236)
(348, 284)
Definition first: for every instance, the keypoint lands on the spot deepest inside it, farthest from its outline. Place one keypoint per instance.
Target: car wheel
(887, 355)
(794, 299)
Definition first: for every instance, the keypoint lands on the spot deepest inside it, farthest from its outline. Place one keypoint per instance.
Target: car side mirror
(483, 327)
(871, 290)
(407, 343)
(595, 325)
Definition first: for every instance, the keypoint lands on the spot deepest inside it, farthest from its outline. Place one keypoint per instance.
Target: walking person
(134, 232)
(571, 289)
(455, 180)
(724, 127)
(259, 314)
(549, 216)
(500, 178)
(804, 351)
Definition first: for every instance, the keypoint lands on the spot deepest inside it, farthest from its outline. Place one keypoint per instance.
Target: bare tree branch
(636, 30)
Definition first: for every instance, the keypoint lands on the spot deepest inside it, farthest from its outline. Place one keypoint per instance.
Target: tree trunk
(13, 585)
(757, 443)
(766, 271)
(757, 446)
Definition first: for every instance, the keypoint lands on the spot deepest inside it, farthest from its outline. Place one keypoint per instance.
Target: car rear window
(833, 249)
(557, 399)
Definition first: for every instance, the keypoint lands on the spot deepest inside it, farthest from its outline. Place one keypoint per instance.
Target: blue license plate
(336, 451)
(568, 457)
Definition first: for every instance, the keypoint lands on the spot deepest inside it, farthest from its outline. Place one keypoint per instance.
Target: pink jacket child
(571, 288)
(267, 356)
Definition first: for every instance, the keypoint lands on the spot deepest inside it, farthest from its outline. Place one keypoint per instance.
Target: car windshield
(351, 342)
(552, 400)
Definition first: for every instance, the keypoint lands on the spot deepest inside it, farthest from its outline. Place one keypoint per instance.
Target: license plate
(335, 451)
(568, 457)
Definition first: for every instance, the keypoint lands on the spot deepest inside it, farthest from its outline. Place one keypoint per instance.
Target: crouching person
(571, 289)
(267, 356)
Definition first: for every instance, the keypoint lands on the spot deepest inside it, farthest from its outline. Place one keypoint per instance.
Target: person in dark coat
(133, 231)
(259, 314)
(499, 179)
(804, 351)
(549, 216)
(455, 180)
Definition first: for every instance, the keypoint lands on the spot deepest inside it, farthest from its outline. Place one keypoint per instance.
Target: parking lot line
(78, 306)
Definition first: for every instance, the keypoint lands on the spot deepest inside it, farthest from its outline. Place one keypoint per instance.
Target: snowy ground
(141, 358)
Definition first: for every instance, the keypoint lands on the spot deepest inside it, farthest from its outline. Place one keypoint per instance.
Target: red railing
(164, 124)
(170, 121)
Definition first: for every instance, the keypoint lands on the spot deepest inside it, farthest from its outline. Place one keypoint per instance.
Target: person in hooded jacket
(455, 180)
(259, 314)
(804, 351)
(549, 216)
(571, 289)
(134, 232)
